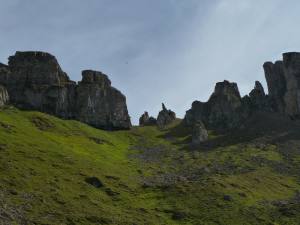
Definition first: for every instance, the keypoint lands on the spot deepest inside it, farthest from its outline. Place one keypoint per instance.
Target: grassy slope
(149, 176)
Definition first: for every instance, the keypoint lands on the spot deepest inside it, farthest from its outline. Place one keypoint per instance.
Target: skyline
(154, 52)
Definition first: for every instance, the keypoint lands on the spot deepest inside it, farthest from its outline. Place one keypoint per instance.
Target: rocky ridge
(226, 109)
(35, 81)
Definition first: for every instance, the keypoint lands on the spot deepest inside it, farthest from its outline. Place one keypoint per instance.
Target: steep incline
(55, 171)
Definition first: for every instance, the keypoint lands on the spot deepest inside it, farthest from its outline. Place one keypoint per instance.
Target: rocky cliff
(35, 81)
(225, 109)
(283, 79)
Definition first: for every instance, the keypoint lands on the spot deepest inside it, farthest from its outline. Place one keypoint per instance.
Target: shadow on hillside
(261, 127)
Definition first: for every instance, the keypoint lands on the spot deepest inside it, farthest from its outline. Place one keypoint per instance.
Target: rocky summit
(226, 109)
(165, 117)
(284, 83)
(35, 81)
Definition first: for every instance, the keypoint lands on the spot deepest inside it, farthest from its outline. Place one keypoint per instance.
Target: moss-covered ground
(148, 176)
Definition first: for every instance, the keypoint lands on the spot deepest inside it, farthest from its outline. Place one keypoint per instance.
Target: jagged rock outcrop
(35, 81)
(276, 82)
(283, 79)
(99, 104)
(146, 120)
(258, 100)
(4, 98)
(199, 133)
(165, 117)
(224, 109)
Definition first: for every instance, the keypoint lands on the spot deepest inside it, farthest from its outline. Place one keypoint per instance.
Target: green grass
(150, 176)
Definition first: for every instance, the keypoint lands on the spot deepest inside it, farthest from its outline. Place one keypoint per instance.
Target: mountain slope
(55, 171)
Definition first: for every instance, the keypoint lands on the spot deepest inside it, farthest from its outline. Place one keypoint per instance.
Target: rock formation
(165, 117)
(259, 101)
(3, 96)
(222, 111)
(283, 79)
(145, 120)
(226, 109)
(199, 133)
(35, 81)
(99, 104)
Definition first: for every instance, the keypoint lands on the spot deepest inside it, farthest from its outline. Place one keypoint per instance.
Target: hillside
(55, 171)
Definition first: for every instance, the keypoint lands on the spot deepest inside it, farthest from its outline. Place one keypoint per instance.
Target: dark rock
(199, 133)
(99, 104)
(178, 215)
(94, 181)
(35, 81)
(222, 111)
(4, 98)
(258, 100)
(165, 117)
(284, 83)
(145, 120)
(227, 198)
(276, 82)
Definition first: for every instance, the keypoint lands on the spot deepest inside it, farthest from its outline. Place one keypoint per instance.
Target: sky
(155, 51)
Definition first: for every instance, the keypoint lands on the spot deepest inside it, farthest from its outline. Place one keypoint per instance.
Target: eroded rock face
(165, 117)
(35, 81)
(222, 111)
(99, 104)
(145, 120)
(283, 79)
(199, 133)
(274, 75)
(4, 98)
(258, 100)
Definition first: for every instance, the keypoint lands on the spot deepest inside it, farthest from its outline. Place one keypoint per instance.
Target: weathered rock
(99, 104)
(165, 117)
(274, 75)
(199, 133)
(35, 81)
(3, 96)
(258, 100)
(283, 79)
(94, 181)
(222, 111)
(145, 120)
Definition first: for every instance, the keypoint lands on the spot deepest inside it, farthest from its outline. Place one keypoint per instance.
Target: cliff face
(283, 79)
(222, 111)
(99, 104)
(35, 81)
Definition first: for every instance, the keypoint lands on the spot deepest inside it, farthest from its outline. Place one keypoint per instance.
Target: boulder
(3, 96)
(199, 133)
(99, 104)
(165, 117)
(145, 120)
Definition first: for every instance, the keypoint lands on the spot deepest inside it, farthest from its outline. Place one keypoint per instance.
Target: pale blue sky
(155, 51)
